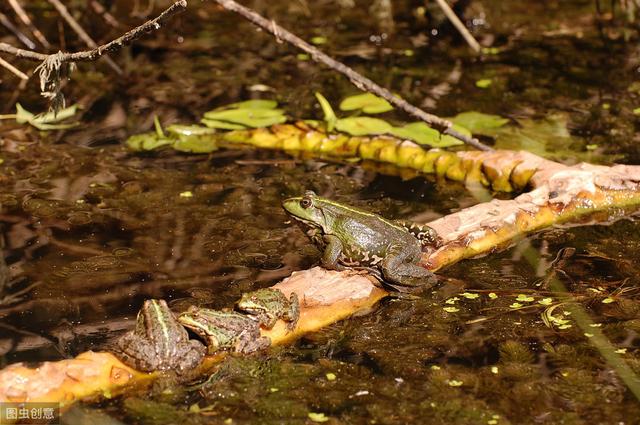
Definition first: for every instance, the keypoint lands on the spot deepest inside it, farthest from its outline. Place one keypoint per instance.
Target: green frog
(225, 329)
(356, 238)
(268, 305)
(159, 342)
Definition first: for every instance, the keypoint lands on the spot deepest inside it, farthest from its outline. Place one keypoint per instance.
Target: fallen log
(560, 194)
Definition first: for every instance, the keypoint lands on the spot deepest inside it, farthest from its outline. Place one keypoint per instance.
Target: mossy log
(558, 194)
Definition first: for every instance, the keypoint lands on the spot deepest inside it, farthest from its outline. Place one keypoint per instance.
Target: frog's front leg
(293, 313)
(399, 268)
(332, 252)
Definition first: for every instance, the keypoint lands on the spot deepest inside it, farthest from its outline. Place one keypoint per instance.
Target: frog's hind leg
(248, 342)
(402, 273)
(425, 234)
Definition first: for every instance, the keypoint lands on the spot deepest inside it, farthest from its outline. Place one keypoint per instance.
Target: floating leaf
(363, 126)
(515, 305)
(255, 118)
(484, 83)
(317, 417)
(147, 142)
(222, 125)
(331, 376)
(608, 300)
(546, 301)
(451, 300)
(186, 194)
(493, 295)
(253, 104)
(195, 144)
(451, 309)
(318, 40)
(368, 102)
(470, 295)
(48, 121)
(525, 298)
(549, 138)
(422, 134)
(455, 383)
(330, 117)
(188, 130)
(479, 123)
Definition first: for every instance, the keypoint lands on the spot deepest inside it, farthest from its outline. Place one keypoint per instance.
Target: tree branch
(112, 46)
(363, 83)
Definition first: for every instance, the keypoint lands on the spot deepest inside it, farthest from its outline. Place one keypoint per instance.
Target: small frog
(225, 329)
(356, 238)
(268, 305)
(159, 342)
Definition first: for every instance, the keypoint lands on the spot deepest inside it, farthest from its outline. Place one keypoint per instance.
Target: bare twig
(75, 26)
(13, 69)
(358, 80)
(108, 17)
(451, 15)
(22, 14)
(112, 46)
(6, 22)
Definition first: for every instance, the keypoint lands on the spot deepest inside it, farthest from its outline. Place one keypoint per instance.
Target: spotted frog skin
(225, 329)
(356, 238)
(268, 305)
(159, 342)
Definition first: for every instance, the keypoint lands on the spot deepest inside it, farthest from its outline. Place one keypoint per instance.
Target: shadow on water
(90, 230)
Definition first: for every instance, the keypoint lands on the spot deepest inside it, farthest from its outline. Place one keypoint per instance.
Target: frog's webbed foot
(137, 352)
(193, 353)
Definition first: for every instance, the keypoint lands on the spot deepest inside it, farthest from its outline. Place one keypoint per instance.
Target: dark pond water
(91, 230)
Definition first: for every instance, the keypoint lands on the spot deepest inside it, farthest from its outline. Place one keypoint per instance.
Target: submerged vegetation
(93, 225)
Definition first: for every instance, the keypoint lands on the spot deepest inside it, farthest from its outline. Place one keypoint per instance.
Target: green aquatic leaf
(188, 130)
(47, 121)
(147, 142)
(318, 417)
(255, 118)
(193, 139)
(422, 134)
(484, 83)
(363, 126)
(222, 125)
(329, 115)
(479, 123)
(196, 145)
(318, 40)
(368, 102)
(253, 104)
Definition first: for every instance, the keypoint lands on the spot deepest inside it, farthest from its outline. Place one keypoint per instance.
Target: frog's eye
(305, 203)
